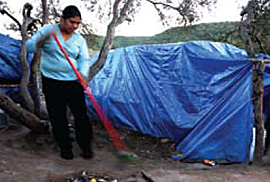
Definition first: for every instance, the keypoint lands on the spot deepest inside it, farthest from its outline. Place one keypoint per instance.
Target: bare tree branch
(3, 11)
(118, 18)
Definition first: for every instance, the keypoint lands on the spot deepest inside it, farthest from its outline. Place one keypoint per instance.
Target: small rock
(164, 140)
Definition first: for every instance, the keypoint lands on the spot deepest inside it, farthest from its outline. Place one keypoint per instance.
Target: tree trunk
(45, 12)
(257, 83)
(21, 115)
(118, 18)
(34, 79)
(26, 99)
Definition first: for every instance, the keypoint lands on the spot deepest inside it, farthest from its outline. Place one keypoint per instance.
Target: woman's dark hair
(71, 11)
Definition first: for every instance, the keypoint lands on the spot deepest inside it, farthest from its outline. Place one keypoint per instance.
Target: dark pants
(59, 95)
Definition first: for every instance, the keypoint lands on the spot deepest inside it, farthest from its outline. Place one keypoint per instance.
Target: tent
(198, 94)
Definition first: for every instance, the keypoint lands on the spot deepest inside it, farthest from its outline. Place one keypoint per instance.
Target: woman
(60, 85)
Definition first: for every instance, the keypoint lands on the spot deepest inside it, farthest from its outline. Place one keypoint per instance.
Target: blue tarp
(266, 88)
(10, 58)
(10, 66)
(199, 94)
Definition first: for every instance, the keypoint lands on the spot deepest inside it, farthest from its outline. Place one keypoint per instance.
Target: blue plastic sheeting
(9, 58)
(266, 88)
(10, 66)
(199, 94)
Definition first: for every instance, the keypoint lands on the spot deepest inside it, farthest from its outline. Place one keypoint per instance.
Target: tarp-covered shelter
(198, 94)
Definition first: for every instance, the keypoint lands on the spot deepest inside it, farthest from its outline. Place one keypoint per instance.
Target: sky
(147, 22)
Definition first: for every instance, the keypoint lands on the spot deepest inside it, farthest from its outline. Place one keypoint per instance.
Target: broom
(121, 147)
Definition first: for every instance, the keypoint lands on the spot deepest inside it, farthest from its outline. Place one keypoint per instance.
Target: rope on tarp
(266, 61)
(9, 86)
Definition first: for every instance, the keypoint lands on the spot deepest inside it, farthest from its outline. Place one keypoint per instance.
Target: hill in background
(221, 32)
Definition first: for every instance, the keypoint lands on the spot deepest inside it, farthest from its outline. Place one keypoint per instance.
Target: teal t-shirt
(53, 62)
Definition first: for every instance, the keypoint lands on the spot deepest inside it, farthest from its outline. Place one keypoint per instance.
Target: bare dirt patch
(30, 158)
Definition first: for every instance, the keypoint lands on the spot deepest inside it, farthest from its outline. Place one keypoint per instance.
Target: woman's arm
(38, 39)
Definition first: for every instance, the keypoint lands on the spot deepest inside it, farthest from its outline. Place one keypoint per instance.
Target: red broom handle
(119, 144)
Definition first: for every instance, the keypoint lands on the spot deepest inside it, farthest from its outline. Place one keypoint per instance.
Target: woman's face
(69, 25)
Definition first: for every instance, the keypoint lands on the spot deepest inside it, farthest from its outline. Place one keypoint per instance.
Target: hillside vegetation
(218, 32)
(221, 32)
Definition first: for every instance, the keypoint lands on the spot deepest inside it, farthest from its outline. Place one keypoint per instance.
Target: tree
(255, 21)
(4, 10)
(255, 25)
(24, 113)
(187, 10)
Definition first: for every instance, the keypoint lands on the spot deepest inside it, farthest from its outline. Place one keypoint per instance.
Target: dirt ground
(29, 158)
